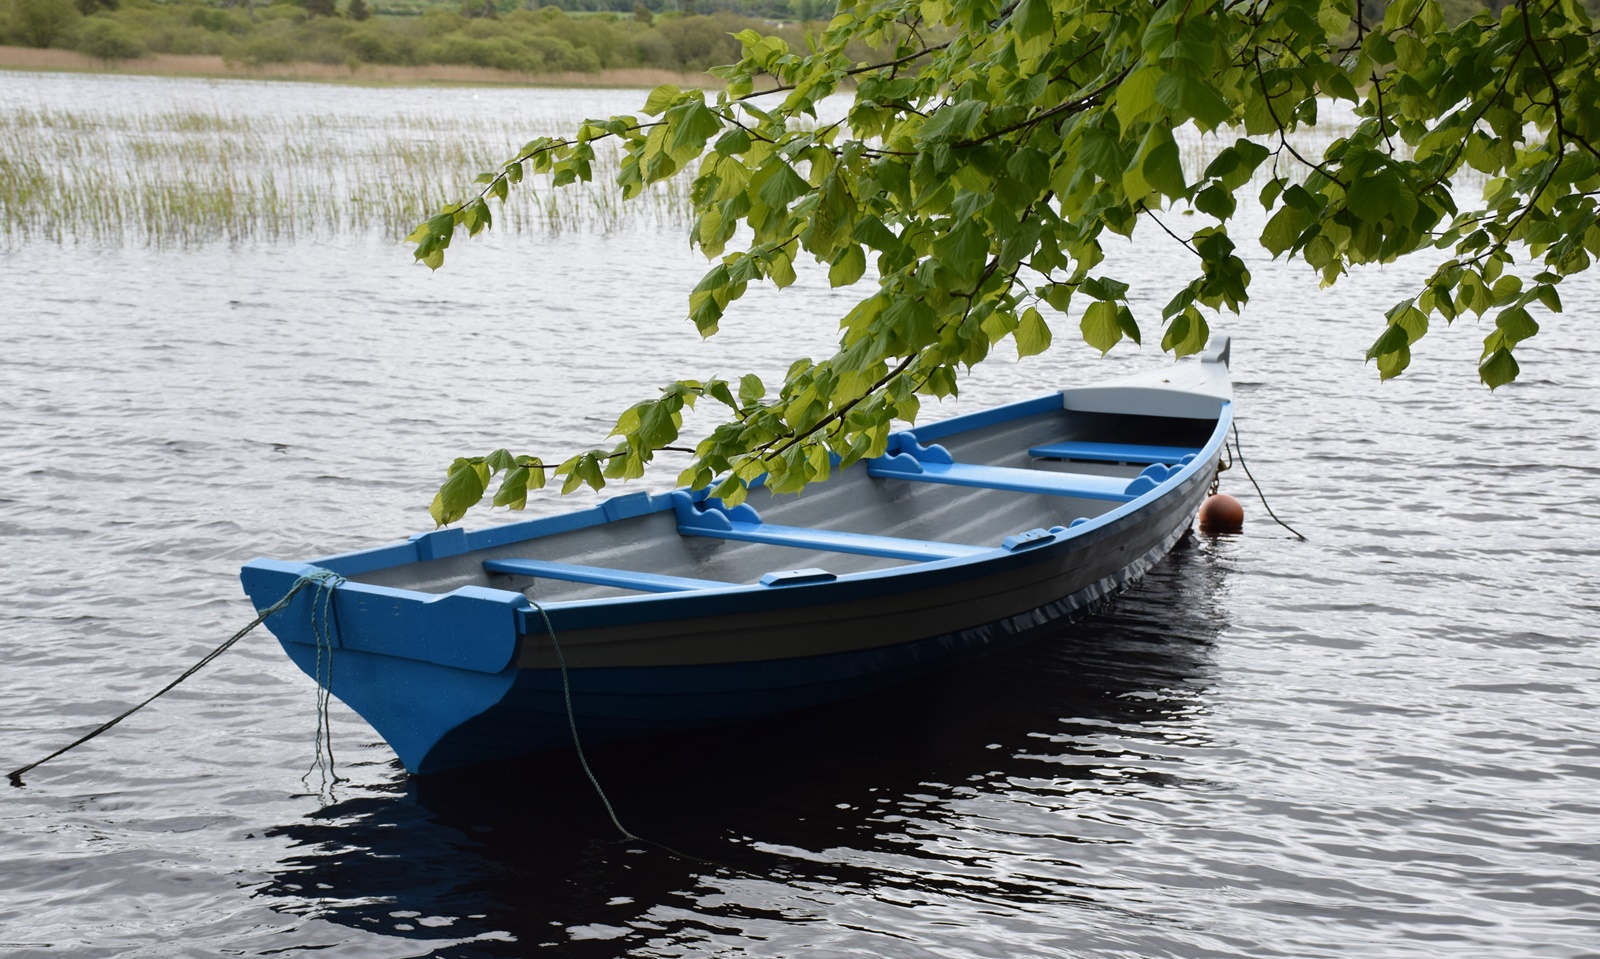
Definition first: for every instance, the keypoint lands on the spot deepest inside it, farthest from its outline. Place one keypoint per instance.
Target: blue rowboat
(671, 611)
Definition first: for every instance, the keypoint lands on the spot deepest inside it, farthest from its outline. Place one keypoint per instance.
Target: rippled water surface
(1378, 742)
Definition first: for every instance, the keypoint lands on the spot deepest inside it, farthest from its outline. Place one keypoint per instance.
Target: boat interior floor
(1080, 478)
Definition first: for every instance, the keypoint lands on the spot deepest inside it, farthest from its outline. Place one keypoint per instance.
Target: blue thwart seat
(1080, 485)
(708, 517)
(1111, 452)
(601, 576)
(934, 464)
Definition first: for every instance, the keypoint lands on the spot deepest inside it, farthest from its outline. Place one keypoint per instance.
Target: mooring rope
(322, 761)
(1239, 452)
(577, 744)
(323, 579)
(572, 724)
(323, 630)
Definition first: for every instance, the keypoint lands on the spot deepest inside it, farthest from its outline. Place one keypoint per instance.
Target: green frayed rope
(324, 579)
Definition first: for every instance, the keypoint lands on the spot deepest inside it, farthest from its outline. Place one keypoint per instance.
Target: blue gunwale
(625, 506)
(741, 598)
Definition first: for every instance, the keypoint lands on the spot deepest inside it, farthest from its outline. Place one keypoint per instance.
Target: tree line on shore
(481, 33)
(517, 36)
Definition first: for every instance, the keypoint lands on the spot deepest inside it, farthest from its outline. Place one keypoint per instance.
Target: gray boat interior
(851, 501)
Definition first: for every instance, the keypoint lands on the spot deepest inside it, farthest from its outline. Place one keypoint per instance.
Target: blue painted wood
(907, 442)
(1111, 452)
(433, 545)
(1031, 538)
(441, 543)
(1080, 485)
(1048, 403)
(797, 577)
(601, 576)
(743, 524)
(471, 628)
(835, 541)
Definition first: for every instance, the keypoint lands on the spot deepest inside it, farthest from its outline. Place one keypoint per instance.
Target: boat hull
(455, 647)
(618, 703)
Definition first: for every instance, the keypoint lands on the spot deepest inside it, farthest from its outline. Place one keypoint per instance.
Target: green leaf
(780, 267)
(719, 391)
(1162, 168)
(1188, 96)
(1215, 201)
(1102, 154)
(461, 491)
(1283, 231)
(1058, 295)
(660, 99)
(733, 143)
(1186, 334)
(1103, 287)
(1515, 325)
(1031, 169)
(1382, 196)
(1034, 25)
(1128, 325)
(991, 148)
(782, 186)
(1136, 94)
(848, 266)
(1547, 295)
(1499, 369)
(1100, 327)
(1032, 335)
(1335, 17)
(965, 250)
(999, 325)
(1394, 339)
(952, 122)
(1506, 288)
(691, 129)
(1394, 362)
(751, 389)
(513, 491)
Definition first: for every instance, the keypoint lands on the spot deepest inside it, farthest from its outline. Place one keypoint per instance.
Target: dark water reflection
(971, 790)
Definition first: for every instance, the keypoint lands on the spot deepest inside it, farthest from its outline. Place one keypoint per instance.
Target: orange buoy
(1221, 513)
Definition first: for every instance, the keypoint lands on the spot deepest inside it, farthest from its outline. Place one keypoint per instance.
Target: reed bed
(172, 179)
(186, 178)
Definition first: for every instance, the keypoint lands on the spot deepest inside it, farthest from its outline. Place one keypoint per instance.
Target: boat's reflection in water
(972, 787)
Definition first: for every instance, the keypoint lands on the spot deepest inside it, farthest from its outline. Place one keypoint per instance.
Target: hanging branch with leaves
(977, 175)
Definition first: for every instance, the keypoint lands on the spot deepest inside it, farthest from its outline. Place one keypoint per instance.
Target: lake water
(1378, 742)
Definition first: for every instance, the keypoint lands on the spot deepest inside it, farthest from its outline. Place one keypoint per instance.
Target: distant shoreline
(366, 74)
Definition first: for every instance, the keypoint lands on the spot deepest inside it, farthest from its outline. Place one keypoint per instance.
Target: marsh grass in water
(186, 178)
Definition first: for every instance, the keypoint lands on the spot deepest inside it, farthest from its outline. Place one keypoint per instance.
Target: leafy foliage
(40, 23)
(995, 144)
(518, 40)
